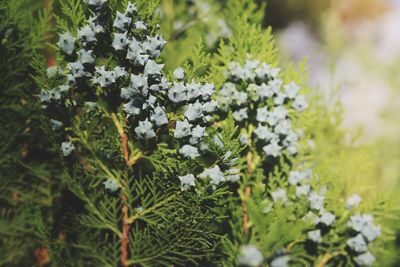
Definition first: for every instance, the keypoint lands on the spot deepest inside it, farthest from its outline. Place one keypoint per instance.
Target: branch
(247, 189)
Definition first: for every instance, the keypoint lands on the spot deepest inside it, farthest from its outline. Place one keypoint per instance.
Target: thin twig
(125, 209)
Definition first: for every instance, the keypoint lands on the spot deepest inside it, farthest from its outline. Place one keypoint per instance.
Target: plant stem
(125, 209)
(247, 189)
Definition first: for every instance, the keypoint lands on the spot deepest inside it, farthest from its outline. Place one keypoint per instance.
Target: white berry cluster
(365, 232)
(195, 101)
(147, 97)
(300, 180)
(257, 96)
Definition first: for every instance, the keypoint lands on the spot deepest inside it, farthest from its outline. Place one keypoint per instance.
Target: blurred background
(353, 50)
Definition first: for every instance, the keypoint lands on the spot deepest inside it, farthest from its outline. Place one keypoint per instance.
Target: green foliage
(65, 208)
(26, 168)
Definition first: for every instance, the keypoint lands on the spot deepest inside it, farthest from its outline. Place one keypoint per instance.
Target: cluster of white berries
(214, 175)
(300, 180)
(256, 89)
(146, 93)
(365, 232)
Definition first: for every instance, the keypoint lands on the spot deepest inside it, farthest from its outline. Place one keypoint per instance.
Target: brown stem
(42, 256)
(123, 137)
(125, 233)
(48, 53)
(124, 145)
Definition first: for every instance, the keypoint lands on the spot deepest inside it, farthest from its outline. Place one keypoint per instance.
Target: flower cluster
(255, 88)
(300, 180)
(365, 232)
(195, 101)
(152, 104)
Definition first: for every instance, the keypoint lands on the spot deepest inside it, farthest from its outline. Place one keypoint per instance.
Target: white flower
(358, 222)
(278, 114)
(122, 21)
(297, 176)
(97, 28)
(209, 106)
(177, 93)
(232, 175)
(315, 236)
(152, 68)
(139, 82)
(357, 243)
(279, 99)
(275, 85)
(327, 218)
(86, 34)
(263, 132)
(371, 231)
(179, 73)
(240, 98)
(119, 72)
(193, 90)
(214, 173)
(316, 200)
(279, 196)
(153, 45)
(300, 103)
(244, 139)
(55, 124)
(263, 71)
(103, 77)
(53, 71)
(262, 114)
(182, 129)
(207, 90)
(281, 261)
(291, 90)
(274, 72)
(189, 151)
(159, 117)
(240, 114)
(283, 127)
(132, 108)
(145, 130)
(353, 201)
(303, 190)
(120, 41)
(194, 111)
(365, 259)
(250, 255)
(187, 181)
(66, 43)
(76, 69)
(273, 149)
(130, 9)
(197, 134)
(111, 185)
(135, 53)
(86, 56)
(67, 148)
(265, 91)
(140, 25)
